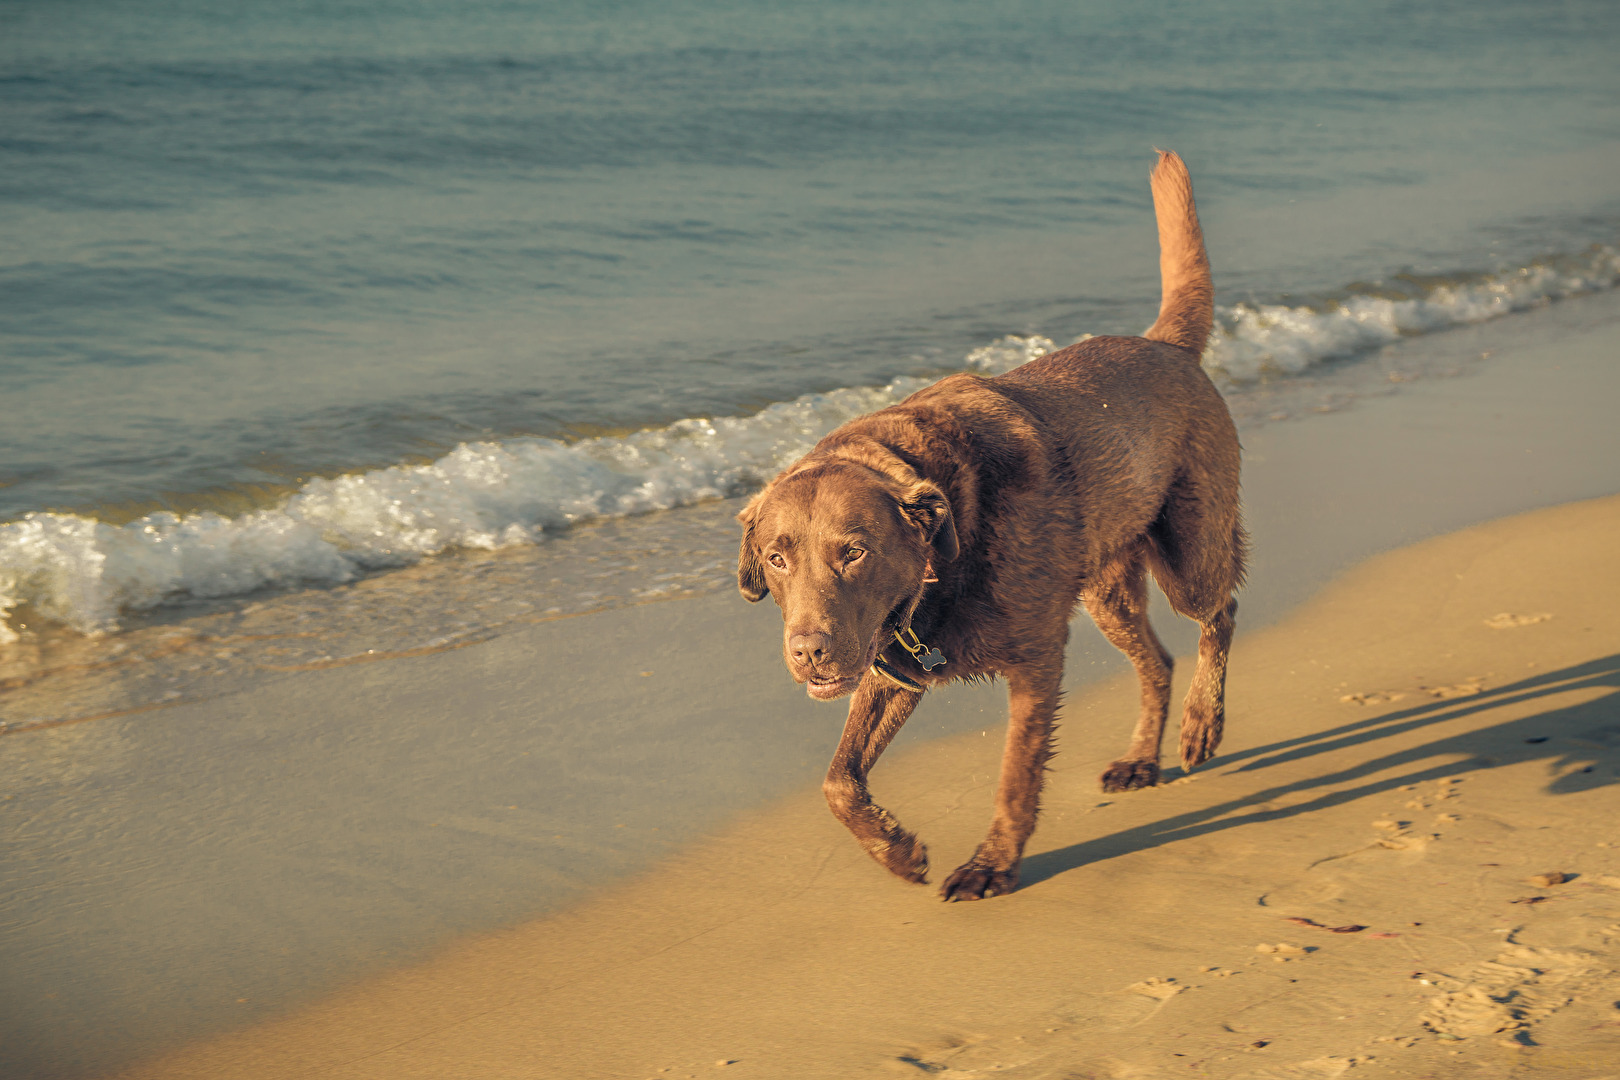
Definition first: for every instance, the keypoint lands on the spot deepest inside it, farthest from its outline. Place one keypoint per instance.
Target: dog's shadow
(1580, 743)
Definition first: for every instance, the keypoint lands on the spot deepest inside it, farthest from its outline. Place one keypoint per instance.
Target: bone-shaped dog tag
(932, 660)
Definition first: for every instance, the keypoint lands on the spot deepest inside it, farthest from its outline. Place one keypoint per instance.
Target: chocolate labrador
(949, 537)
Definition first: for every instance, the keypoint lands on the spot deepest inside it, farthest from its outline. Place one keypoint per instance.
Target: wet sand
(310, 873)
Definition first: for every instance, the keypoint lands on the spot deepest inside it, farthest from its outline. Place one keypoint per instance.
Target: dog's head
(843, 549)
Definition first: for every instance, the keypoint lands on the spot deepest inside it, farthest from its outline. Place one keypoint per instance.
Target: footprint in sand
(1282, 952)
(1322, 1068)
(1507, 620)
(1509, 995)
(1157, 989)
(1408, 841)
(1467, 688)
(1373, 697)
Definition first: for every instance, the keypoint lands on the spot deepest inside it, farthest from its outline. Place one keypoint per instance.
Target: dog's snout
(810, 649)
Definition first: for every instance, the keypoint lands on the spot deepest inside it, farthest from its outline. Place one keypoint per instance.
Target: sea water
(330, 332)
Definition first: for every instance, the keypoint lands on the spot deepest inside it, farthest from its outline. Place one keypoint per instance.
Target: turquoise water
(251, 247)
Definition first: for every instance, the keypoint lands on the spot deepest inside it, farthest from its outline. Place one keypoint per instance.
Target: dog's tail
(1188, 309)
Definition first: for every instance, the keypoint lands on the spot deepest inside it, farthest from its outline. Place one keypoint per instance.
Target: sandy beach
(1353, 885)
(596, 848)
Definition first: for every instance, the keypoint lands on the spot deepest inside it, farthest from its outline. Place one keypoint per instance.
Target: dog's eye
(778, 562)
(853, 554)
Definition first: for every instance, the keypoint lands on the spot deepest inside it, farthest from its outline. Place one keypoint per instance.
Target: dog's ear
(926, 507)
(750, 573)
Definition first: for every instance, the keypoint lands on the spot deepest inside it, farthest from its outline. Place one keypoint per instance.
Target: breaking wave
(1253, 341)
(84, 572)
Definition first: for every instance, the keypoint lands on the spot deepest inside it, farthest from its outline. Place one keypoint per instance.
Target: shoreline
(205, 649)
(200, 869)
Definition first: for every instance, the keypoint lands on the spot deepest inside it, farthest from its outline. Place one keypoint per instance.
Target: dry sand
(1404, 755)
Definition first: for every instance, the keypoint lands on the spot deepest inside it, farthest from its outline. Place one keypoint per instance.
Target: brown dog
(972, 516)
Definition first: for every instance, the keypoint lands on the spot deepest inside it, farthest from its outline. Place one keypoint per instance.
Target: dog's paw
(977, 880)
(1129, 775)
(904, 856)
(1200, 735)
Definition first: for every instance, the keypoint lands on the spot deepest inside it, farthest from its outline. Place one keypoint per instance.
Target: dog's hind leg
(1117, 602)
(1203, 718)
(1033, 691)
(1197, 559)
(876, 714)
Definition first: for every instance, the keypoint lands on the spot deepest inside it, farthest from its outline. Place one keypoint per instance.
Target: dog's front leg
(1032, 693)
(876, 713)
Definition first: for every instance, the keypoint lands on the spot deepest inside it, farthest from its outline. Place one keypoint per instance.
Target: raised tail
(1188, 308)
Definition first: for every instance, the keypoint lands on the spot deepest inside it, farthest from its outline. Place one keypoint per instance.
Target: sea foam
(84, 572)
(1253, 341)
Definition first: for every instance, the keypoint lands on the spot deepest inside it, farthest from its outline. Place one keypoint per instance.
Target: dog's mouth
(829, 687)
(832, 687)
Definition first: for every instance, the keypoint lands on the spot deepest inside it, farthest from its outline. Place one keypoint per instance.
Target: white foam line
(84, 572)
(1250, 342)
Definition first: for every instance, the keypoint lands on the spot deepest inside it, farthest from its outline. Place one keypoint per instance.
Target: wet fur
(1065, 480)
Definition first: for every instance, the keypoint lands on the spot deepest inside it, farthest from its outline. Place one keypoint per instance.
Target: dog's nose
(810, 649)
